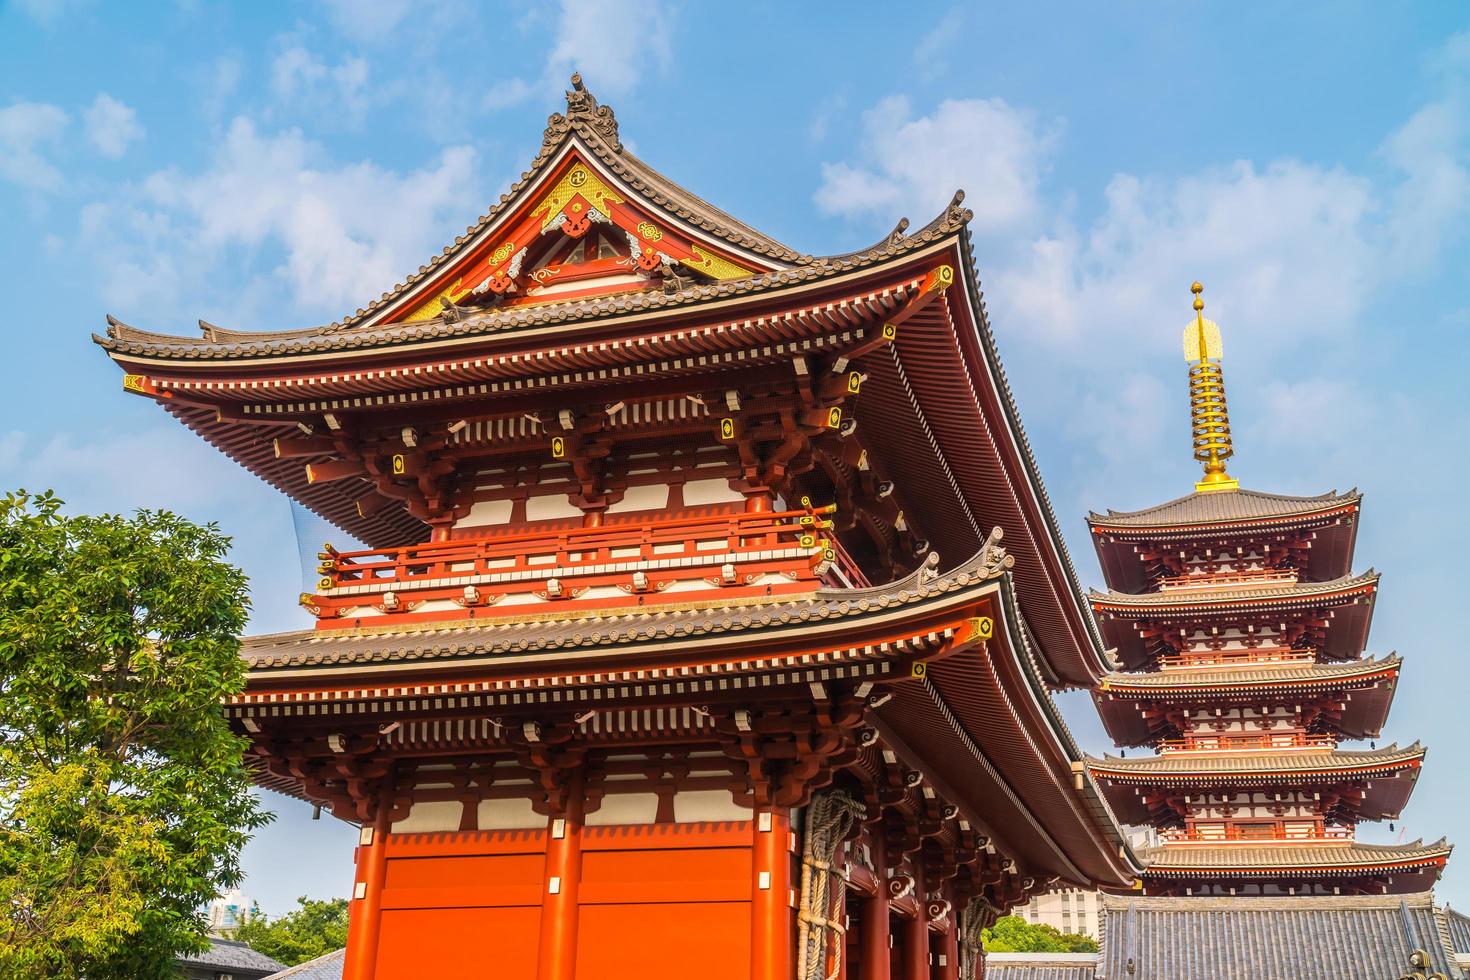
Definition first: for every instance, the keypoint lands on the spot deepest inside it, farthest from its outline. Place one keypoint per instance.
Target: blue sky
(278, 165)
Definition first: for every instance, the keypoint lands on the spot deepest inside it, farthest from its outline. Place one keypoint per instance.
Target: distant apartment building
(229, 912)
(1069, 910)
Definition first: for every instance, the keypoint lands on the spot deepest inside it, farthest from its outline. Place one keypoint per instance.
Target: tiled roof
(595, 130)
(1041, 966)
(216, 344)
(1276, 761)
(1254, 677)
(328, 967)
(606, 628)
(1223, 506)
(1298, 857)
(1259, 938)
(1457, 927)
(230, 954)
(1203, 597)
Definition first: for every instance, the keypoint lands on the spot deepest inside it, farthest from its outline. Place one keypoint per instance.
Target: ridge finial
(1208, 415)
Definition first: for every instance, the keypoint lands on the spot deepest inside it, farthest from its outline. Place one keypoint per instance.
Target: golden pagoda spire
(1208, 416)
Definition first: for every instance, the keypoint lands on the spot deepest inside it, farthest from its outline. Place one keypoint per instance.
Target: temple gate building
(1240, 629)
(711, 600)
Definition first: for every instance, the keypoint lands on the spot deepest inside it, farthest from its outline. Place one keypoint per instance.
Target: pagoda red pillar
(771, 933)
(875, 964)
(365, 914)
(559, 913)
(947, 964)
(916, 946)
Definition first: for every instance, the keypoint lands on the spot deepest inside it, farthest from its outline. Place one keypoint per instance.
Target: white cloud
(335, 236)
(931, 52)
(25, 128)
(303, 81)
(911, 165)
(1287, 250)
(111, 126)
(369, 20)
(616, 46)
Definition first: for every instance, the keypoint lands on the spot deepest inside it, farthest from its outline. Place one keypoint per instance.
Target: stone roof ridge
(1224, 505)
(899, 240)
(583, 111)
(990, 562)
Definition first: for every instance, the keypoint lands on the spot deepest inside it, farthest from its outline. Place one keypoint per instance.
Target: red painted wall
(652, 900)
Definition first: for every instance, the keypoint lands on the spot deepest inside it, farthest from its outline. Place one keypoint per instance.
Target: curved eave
(997, 697)
(1350, 600)
(1012, 769)
(1370, 686)
(936, 405)
(1284, 766)
(1334, 524)
(1389, 778)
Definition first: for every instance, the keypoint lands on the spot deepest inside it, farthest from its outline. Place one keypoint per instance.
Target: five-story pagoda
(1240, 629)
(685, 643)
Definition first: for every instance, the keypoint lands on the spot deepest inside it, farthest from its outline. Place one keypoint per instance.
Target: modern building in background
(1240, 627)
(229, 912)
(1074, 910)
(686, 642)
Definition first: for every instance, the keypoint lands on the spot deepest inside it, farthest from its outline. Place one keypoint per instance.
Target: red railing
(728, 551)
(1257, 830)
(1218, 658)
(1244, 741)
(1219, 580)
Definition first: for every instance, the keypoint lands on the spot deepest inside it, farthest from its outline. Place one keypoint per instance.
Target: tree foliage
(314, 929)
(124, 801)
(1013, 934)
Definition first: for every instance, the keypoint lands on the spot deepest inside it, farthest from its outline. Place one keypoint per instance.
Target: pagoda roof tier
(1123, 614)
(1371, 681)
(976, 716)
(1328, 857)
(907, 313)
(1381, 770)
(1226, 516)
(1210, 510)
(1400, 868)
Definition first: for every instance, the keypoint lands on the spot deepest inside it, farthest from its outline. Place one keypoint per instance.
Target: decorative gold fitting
(1208, 415)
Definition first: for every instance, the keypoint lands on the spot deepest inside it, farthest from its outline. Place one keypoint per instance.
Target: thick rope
(829, 819)
(971, 941)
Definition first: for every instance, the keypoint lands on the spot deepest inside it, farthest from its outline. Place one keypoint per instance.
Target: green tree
(1013, 934)
(314, 929)
(124, 801)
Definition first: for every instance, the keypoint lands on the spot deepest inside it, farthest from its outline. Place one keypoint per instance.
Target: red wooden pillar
(559, 910)
(366, 910)
(771, 934)
(947, 962)
(916, 946)
(875, 964)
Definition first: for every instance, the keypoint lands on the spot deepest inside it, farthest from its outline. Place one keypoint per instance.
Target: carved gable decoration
(587, 219)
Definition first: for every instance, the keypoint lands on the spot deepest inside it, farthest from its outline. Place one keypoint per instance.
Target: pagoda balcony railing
(744, 553)
(1255, 832)
(1222, 580)
(1247, 741)
(1236, 657)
